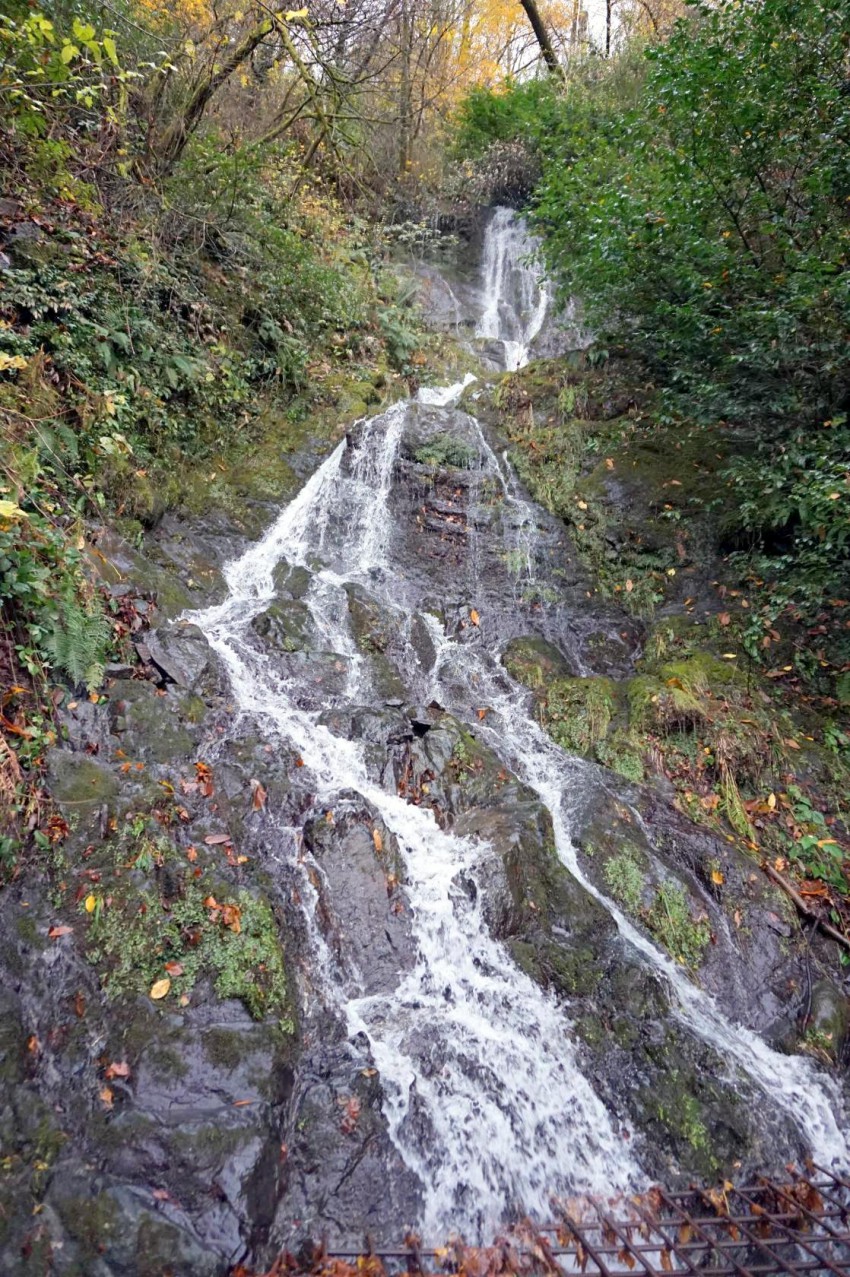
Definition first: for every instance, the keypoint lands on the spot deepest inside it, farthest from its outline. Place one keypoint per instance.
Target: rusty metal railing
(800, 1225)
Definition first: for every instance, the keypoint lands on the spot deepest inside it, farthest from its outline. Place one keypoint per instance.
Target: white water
(484, 1097)
(515, 297)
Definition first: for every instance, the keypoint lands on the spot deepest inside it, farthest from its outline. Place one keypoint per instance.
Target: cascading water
(484, 1096)
(514, 295)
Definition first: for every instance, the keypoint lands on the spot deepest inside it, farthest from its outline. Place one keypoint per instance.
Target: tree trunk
(167, 150)
(405, 106)
(542, 36)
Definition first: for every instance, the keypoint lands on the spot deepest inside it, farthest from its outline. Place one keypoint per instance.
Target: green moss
(670, 921)
(577, 712)
(683, 1117)
(533, 662)
(444, 451)
(163, 914)
(625, 879)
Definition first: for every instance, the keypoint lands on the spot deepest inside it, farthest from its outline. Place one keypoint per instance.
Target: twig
(794, 895)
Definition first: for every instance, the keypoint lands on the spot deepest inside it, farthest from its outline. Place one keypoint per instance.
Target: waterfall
(484, 1095)
(515, 299)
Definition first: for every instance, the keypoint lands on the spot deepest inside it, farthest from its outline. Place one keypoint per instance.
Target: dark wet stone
(181, 653)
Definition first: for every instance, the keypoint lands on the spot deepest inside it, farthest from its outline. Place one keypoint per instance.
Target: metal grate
(801, 1225)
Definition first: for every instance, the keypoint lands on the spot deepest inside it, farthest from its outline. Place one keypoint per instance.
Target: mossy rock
(534, 662)
(78, 782)
(285, 625)
(578, 712)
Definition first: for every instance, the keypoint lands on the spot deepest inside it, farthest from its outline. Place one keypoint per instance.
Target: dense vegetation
(198, 212)
(694, 196)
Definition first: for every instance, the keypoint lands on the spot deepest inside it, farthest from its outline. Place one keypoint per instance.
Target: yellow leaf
(582, 505)
(291, 14)
(160, 988)
(91, 902)
(8, 362)
(9, 510)
(771, 802)
(717, 877)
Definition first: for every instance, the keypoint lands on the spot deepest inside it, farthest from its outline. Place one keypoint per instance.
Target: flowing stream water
(485, 1098)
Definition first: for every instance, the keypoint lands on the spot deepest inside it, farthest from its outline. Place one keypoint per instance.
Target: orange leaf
(174, 968)
(474, 617)
(258, 795)
(724, 618)
(377, 840)
(106, 1096)
(55, 932)
(192, 854)
(231, 916)
(119, 1069)
(717, 877)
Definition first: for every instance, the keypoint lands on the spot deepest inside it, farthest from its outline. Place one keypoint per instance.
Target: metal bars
(799, 1226)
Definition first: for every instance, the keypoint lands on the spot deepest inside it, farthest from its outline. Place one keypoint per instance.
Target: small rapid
(485, 1098)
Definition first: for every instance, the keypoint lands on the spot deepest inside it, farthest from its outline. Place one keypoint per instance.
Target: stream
(487, 1096)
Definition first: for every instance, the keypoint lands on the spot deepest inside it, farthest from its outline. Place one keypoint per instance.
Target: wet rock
(181, 654)
(829, 1020)
(285, 626)
(151, 727)
(363, 901)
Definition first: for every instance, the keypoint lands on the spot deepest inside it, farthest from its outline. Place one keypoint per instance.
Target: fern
(80, 641)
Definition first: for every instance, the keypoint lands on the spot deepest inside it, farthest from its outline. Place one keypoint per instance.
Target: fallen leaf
(482, 714)
(240, 1104)
(55, 932)
(192, 854)
(91, 903)
(204, 774)
(377, 840)
(717, 877)
(174, 968)
(107, 1096)
(630, 585)
(160, 988)
(258, 795)
(473, 616)
(771, 802)
(352, 1113)
(724, 618)
(792, 744)
(231, 916)
(119, 1069)
(33, 1044)
(609, 463)
(213, 840)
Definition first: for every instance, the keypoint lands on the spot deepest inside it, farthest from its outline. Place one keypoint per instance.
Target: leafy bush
(705, 229)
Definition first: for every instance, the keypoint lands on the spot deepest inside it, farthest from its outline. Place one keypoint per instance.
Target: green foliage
(446, 451)
(526, 112)
(47, 602)
(135, 932)
(705, 225)
(670, 921)
(624, 879)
